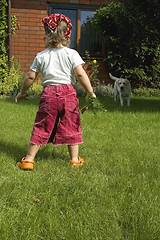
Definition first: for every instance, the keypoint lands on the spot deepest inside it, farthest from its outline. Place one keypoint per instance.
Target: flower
(94, 61)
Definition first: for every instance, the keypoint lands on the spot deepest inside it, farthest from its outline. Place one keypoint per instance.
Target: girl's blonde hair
(54, 37)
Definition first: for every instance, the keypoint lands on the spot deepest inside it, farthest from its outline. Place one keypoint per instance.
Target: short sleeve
(76, 59)
(36, 65)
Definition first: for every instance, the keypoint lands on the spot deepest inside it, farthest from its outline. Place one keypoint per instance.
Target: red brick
(22, 10)
(24, 69)
(34, 20)
(25, 52)
(21, 23)
(26, 28)
(34, 11)
(18, 48)
(31, 24)
(19, 14)
(35, 2)
(24, 2)
(31, 14)
(44, 12)
(21, 36)
(23, 44)
(30, 40)
(84, 1)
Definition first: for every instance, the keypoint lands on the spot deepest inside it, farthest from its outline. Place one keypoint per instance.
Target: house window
(84, 36)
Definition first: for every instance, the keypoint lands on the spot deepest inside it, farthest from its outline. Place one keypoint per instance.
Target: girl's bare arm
(28, 81)
(83, 79)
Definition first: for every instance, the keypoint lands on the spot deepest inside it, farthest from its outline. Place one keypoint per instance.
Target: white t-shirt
(56, 65)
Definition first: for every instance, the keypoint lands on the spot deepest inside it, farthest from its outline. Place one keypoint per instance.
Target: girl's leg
(73, 152)
(75, 160)
(27, 162)
(32, 151)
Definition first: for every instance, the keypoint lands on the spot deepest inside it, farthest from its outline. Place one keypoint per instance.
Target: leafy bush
(80, 91)
(103, 90)
(12, 79)
(35, 89)
(132, 39)
(12, 82)
(146, 92)
(93, 70)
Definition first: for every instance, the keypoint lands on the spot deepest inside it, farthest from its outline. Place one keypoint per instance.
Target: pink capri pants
(58, 119)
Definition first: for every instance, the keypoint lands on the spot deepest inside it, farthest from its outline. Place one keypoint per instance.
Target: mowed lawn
(114, 196)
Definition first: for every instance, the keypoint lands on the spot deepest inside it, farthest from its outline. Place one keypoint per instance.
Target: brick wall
(28, 40)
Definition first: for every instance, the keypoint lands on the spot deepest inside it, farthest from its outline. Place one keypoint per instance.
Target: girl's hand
(92, 94)
(19, 97)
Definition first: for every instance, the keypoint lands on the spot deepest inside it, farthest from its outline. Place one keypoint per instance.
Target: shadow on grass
(138, 104)
(26, 101)
(17, 152)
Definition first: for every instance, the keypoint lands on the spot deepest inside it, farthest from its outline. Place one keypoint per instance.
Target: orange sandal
(25, 164)
(77, 164)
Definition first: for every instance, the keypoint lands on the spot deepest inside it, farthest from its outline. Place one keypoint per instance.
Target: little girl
(58, 119)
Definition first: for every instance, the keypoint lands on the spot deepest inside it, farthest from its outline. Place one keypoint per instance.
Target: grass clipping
(92, 104)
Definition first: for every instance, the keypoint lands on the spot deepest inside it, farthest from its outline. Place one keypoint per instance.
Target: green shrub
(35, 89)
(146, 92)
(3, 72)
(132, 37)
(93, 74)
(102, 90)
(80, 91)
(12, 80)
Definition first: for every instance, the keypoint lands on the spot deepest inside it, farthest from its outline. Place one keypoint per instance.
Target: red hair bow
(53, 20)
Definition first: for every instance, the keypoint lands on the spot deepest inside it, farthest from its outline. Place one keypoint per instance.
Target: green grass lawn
(114, 196)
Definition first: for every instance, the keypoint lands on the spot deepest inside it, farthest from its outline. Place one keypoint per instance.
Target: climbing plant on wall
(9, 77)
(3, 36)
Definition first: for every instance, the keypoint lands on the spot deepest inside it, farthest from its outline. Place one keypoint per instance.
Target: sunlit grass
(114, 196)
